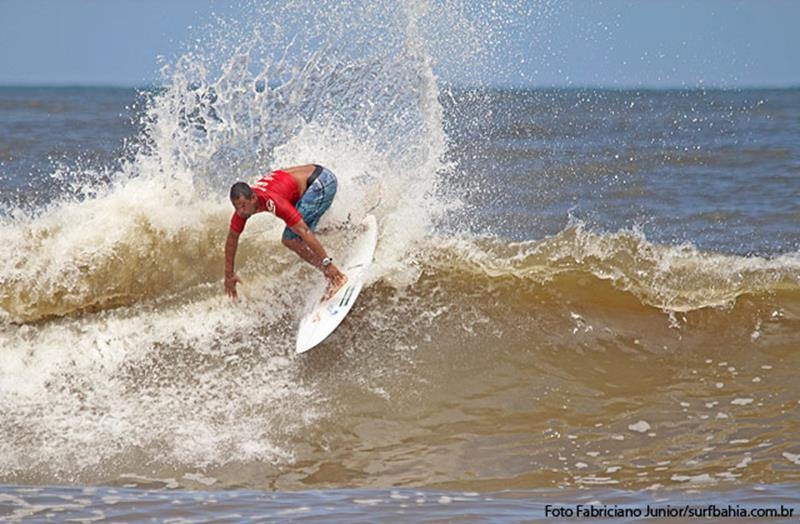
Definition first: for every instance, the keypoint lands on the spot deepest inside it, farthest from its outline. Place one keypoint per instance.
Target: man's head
(244, 200)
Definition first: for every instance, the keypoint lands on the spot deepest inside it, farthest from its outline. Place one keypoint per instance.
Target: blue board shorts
(315, 201)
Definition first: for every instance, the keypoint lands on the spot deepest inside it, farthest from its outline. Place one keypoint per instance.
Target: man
(299, 196)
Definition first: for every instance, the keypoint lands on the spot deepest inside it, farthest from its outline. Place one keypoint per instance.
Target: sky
(599, 43)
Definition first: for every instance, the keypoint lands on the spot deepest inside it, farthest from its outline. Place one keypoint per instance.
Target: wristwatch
(327, 261)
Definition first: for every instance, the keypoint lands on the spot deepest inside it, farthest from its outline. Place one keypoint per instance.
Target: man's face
(245, 207)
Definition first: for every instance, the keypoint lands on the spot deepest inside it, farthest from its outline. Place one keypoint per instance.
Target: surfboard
(323, 317)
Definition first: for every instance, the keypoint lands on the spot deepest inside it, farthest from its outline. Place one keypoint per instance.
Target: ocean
(582, 299)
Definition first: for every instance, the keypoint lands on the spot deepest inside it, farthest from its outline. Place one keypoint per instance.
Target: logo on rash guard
(263, 182)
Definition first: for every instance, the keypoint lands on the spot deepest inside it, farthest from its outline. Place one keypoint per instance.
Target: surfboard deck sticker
(322, 318)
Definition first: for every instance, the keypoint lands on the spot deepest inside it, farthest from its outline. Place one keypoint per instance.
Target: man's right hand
(230, 285)
(336, 279)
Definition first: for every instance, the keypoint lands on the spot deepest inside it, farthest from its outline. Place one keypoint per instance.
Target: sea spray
(356, 94)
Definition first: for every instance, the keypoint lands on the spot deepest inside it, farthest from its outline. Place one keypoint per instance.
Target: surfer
(299, 196)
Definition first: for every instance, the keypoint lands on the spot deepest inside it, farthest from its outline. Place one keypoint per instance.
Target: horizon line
(455, 85)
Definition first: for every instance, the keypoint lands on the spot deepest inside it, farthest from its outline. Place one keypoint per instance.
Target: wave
(171, 368)
(670, 278)
(104, 254)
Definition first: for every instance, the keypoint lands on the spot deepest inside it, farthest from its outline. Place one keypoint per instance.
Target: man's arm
(231, 245)
(315, 252)
(311, 251)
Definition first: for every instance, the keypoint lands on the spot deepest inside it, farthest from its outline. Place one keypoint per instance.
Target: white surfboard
(322, 318)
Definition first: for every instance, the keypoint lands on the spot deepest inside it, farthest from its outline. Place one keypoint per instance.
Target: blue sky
(610, 43)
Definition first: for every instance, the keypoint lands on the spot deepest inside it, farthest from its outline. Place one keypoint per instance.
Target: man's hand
(336, 279)
(231, 244)
(230, 285)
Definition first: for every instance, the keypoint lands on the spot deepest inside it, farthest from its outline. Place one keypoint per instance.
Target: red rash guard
(277, 193)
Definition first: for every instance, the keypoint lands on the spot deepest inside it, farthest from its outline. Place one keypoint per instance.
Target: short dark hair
(241, 189)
